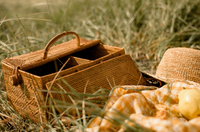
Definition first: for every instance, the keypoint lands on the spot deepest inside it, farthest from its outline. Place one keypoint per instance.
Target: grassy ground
(145, 28)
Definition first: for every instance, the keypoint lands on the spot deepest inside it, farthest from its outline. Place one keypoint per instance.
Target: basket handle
(54, 39)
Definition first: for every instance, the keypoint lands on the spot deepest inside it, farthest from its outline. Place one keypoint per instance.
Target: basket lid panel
(117, 71)
(34, 59)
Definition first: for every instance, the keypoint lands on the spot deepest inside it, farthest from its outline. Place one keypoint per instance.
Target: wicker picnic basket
(78, 61)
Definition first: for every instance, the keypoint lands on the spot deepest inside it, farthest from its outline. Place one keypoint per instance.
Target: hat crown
(180, 64)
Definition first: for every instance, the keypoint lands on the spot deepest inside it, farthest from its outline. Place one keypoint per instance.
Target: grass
(144, 28)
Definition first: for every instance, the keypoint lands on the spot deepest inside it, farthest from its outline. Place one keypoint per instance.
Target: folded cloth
(172, 124)
(151, 108)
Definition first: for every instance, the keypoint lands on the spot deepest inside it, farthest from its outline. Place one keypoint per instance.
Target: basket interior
(77, 58)
(55, 65)
(93, 53)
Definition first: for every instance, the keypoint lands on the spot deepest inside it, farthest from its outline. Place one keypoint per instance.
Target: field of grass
(144, 28)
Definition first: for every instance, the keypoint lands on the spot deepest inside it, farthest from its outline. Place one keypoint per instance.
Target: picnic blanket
(146, 108)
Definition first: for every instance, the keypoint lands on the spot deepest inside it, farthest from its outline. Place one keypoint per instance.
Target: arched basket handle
(54, 39)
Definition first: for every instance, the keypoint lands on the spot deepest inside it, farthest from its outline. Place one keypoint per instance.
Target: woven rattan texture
(180, 64)
(120, 70)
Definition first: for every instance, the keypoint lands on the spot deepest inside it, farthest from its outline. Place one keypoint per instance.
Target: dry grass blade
(83, 108)
(1, 22)
(6, 46)
(16, 19)
(54, 80)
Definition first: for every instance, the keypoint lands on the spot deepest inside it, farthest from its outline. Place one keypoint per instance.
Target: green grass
(144, 28)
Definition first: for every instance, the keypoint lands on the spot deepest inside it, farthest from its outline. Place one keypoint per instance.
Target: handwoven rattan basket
(76, 61)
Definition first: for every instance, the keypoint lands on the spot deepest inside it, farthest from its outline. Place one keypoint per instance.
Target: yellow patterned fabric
(151, 108)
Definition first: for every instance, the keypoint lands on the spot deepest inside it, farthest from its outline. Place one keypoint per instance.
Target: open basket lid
(41, 57)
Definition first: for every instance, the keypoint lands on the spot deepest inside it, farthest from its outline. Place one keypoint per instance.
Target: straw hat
(179, 64)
